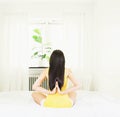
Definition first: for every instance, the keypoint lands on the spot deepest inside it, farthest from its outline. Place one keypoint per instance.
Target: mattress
(88, 104)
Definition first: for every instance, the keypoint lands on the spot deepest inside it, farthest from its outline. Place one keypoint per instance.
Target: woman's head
(56, 69)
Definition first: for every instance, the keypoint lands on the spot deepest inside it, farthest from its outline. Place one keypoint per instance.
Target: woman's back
(57, 100)
(67, 71)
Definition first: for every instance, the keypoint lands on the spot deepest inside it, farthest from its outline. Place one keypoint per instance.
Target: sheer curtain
(78, 46)
(14, 52)
(72, 39)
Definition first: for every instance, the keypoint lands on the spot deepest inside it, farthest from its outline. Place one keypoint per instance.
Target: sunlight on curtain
(14, 52)
(77, 46)
(73, 39)
(1, 54)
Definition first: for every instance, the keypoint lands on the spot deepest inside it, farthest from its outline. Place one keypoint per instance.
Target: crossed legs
(72, 96)
(38, 97)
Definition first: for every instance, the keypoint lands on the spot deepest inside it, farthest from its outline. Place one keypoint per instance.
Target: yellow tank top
(58, 100)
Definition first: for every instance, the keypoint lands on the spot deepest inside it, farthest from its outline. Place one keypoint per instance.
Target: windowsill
(36, 67)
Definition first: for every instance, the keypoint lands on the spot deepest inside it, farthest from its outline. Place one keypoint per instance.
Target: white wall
(107, 47)
(97, 49)
(78, 39)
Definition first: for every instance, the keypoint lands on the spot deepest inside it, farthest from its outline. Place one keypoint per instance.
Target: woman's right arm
(75, 83)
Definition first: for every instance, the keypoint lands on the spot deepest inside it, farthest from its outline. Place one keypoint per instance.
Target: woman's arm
(37, 85)
(75, 83)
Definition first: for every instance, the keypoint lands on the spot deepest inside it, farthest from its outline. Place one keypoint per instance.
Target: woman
(58, 95)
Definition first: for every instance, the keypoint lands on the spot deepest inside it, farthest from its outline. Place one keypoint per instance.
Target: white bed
(89, 104)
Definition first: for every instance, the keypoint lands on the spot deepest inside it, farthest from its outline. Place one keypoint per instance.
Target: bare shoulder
(45, 71)
(68, 71)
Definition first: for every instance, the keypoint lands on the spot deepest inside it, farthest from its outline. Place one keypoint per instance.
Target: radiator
(33, 78)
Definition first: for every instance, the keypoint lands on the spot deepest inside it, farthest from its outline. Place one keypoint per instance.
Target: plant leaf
(37, 31)
(37, 38)
(43, 56)
(47, 57)
(36, 53)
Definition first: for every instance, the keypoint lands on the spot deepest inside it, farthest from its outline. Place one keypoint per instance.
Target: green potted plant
(43, 50)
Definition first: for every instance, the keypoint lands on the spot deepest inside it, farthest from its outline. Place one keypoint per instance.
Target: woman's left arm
(37, 85)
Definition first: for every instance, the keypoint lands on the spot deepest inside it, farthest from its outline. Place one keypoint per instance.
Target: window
(44, 36)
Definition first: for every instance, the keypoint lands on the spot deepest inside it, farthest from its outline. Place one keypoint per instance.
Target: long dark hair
(56, 69)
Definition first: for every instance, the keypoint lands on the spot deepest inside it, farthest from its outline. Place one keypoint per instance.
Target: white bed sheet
(89, 104)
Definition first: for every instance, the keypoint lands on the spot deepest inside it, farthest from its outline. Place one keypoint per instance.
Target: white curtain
(78, 46)
(73, 39)
(14, 52)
